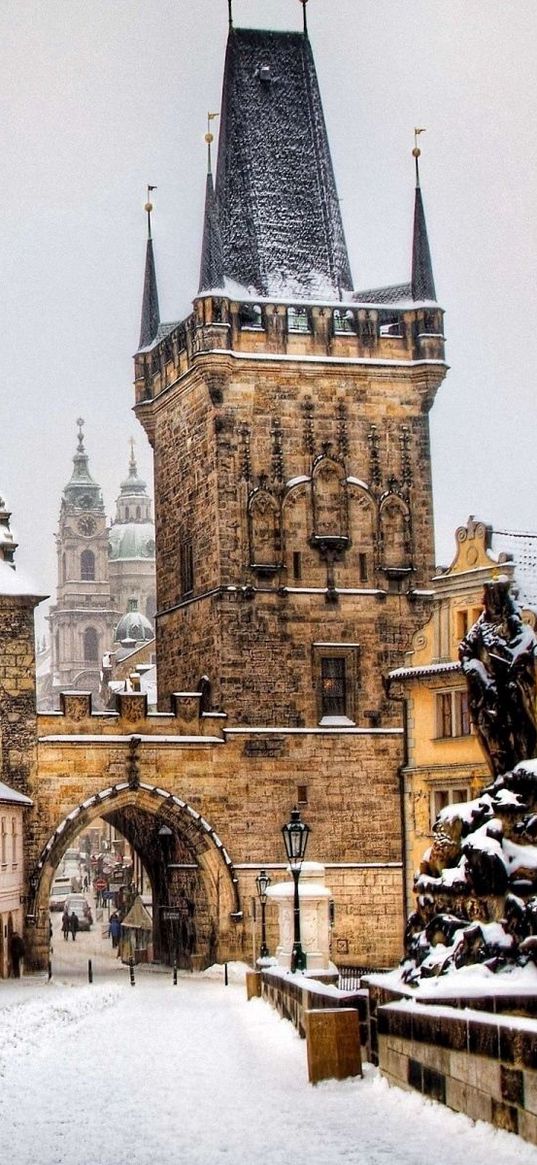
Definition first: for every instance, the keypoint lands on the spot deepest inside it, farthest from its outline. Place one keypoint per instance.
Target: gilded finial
(148, 208)
(80, 423)
(209, 138)
(416, 152)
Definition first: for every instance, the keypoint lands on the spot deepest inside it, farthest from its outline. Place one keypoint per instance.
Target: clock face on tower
(87, 525)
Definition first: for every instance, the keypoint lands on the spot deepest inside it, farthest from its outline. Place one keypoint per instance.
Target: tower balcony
(335, 331)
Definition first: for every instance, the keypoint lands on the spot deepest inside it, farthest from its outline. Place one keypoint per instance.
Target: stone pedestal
(314, 899)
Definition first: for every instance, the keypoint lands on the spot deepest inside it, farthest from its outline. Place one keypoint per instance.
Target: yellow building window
(452, 714)
(461, 623)
(440, 798)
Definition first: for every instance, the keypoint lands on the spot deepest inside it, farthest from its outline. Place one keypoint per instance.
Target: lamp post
(262, 882)
(295, 836)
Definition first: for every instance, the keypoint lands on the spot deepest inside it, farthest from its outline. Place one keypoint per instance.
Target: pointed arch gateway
(196, 901)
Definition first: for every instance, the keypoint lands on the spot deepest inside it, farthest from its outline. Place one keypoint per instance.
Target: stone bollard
(253, 984)
(333, 1043)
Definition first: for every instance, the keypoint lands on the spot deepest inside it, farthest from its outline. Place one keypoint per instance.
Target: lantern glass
(262, 882)
(295, 836)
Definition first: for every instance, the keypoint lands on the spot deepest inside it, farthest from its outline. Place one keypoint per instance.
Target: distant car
(60, 890)
(80, 905)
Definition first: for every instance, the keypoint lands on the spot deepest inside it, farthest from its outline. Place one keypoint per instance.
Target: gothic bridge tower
(289, 419)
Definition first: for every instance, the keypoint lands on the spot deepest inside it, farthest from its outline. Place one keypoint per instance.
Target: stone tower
(83, 618)
(289, 418)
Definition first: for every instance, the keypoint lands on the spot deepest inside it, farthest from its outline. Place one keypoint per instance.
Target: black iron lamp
(262, 882)
(295, 836)
(165, 836)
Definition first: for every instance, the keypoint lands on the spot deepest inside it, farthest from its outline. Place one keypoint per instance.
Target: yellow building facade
(443, 759)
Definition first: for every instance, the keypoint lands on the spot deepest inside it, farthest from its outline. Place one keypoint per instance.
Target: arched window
(64, 568)
(91, 645)
(87, 566)
(138, 513)
(127, 513)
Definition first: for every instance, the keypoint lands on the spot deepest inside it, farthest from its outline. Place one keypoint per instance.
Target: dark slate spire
(150, 309)
(279, 214)
(212, 258)
(422, 268)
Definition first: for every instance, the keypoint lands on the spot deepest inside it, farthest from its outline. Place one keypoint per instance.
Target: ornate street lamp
(295, 836)
(262, 882)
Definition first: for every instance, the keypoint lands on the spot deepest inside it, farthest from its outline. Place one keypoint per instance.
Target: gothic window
(186, 567)
(329, 501)
(14, 854)
(3, 842)
(64, 568)
(395, 535)
(264, 531)
(91, 645)
(87, 566)
(297, 565)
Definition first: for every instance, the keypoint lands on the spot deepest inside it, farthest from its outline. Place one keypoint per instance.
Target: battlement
(346, 330)
(185, 718)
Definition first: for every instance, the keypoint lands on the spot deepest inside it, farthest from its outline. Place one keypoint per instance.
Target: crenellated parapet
(186, 718)
(348, 331)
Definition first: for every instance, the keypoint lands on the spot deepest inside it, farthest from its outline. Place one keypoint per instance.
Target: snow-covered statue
(477, 885)
(498, 659)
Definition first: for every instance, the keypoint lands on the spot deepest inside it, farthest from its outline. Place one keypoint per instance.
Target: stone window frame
(87, 566)
(186, 566)
(3, 842)
(350, 652)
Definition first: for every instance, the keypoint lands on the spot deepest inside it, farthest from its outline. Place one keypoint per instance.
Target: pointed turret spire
(212, 259)
(150, 308)
(422, 268)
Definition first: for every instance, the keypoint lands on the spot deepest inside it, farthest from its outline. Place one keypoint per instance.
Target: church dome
(131, 540)
(134, 626)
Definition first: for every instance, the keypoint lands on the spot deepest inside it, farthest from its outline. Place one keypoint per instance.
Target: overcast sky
(100, 97)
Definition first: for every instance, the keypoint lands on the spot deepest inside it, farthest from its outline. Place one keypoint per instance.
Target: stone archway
(195, 889)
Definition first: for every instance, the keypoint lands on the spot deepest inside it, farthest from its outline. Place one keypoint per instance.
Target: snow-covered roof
(428, 669)
(279, 218)
(12, 797)
(522, 547)
(16, 582)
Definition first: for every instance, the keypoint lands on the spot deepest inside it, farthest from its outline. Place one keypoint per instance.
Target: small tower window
(187, 568)
(91, 645)
(333, 687)
(87, 566)
(344, 321)
(297, 319)
(138, 512)
(297, 565)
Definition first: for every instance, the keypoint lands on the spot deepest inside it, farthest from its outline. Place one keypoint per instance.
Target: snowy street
(111, 1074)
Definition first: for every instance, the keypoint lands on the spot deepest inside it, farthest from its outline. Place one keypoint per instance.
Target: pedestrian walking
(73, 924)
(114, 929)
(16, 950)
(65, 925)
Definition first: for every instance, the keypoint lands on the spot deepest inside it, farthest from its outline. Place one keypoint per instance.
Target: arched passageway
(194, 887)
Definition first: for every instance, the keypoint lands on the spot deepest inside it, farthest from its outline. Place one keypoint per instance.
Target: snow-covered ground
(154, 1074)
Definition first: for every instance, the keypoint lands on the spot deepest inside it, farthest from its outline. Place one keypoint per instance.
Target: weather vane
(148, 208)
(416, 152)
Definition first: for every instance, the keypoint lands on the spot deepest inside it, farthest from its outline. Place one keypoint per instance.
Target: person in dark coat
(73, 924)
(65, 925)
(114, 930)
(16, 950)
